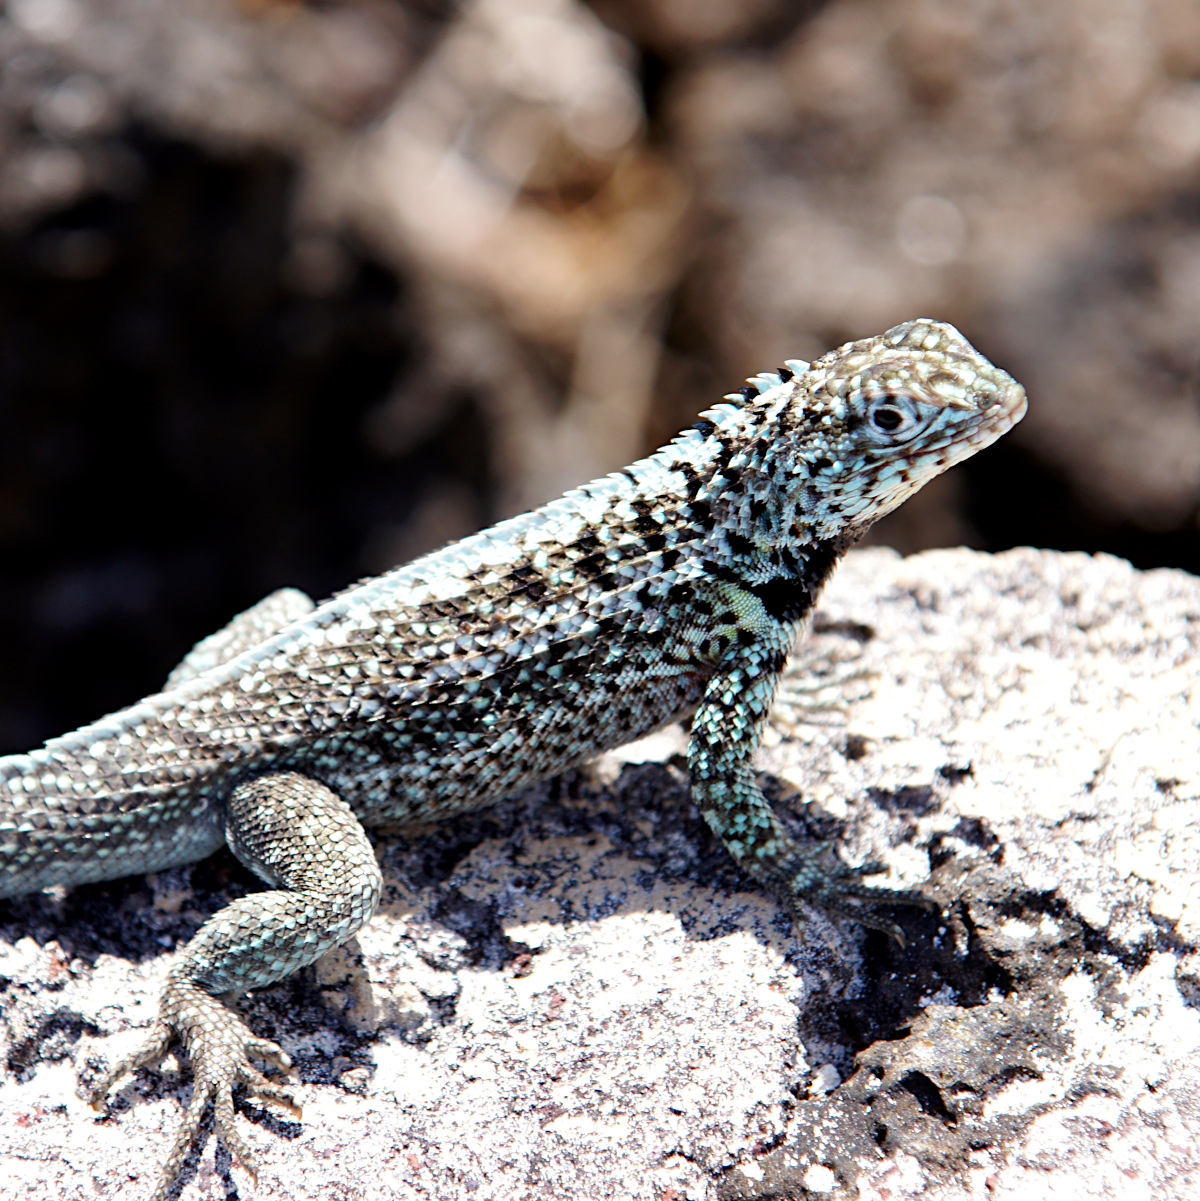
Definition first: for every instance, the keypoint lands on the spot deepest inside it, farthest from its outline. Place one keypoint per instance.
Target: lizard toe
(258, 1085)
(185, 1137)
(860, 903)
(148, 1052)
(229, 1134)
(263, 1048)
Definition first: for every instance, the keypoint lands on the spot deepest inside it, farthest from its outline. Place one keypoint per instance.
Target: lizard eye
(892, 418)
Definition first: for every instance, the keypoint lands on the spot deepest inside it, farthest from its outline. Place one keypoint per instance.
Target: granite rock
(577, 994)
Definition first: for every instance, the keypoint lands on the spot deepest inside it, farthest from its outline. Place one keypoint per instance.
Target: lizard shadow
(575, 850)
(569, 850)
(499, 890)
(920, 1036)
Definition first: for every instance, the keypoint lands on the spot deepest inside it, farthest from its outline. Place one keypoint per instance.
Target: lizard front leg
(725, 733)
(299, 836)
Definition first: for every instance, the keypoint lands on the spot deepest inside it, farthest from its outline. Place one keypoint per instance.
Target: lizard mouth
(1014, 404)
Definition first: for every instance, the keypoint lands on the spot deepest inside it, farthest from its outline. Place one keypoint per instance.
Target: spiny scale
(673, 587)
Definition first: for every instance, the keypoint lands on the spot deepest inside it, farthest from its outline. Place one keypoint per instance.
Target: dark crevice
(186, 424)
(927, 1094)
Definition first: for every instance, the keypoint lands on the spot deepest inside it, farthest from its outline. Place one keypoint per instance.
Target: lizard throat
(789, 598)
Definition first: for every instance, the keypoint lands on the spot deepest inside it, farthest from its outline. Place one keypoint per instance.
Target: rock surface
(577, 995)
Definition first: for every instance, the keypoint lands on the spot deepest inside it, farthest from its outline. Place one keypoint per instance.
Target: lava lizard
(671, 589)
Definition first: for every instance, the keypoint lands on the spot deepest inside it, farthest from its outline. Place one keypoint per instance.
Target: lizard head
(874, 420)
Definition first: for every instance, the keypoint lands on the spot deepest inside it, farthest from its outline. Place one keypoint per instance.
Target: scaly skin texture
(675, 587)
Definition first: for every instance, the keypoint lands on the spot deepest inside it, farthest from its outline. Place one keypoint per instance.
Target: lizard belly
(430, 765)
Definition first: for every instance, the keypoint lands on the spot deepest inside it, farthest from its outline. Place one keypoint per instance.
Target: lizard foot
(219, 1045)
(837, 890)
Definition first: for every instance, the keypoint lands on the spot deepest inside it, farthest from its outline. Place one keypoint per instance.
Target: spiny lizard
(673, 588)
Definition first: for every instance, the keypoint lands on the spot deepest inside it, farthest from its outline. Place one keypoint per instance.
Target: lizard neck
(791, 595)
(772, 532)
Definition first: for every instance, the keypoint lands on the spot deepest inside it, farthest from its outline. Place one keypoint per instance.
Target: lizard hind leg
(296, 834)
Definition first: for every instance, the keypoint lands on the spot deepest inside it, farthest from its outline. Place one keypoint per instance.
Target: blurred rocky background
(290, 293)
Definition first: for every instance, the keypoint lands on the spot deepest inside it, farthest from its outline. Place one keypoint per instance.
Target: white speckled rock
(578, 996)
